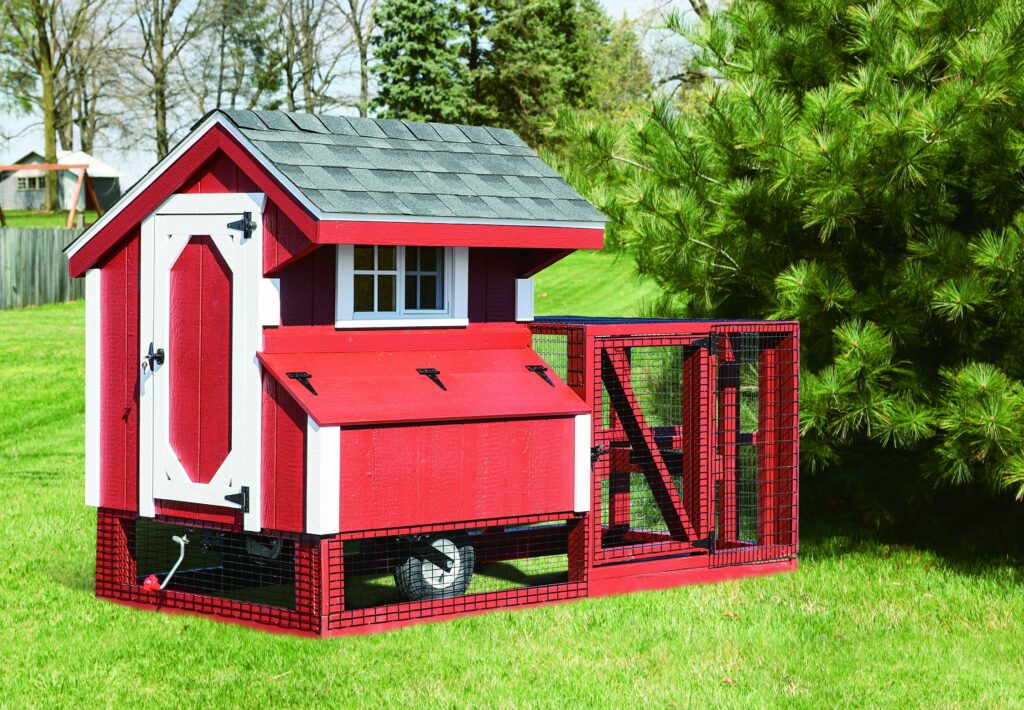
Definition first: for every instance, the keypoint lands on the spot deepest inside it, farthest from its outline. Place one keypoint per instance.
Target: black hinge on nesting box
(241, 499)
(303, 379)
(542, 372)
(433, 374)
(246, 225)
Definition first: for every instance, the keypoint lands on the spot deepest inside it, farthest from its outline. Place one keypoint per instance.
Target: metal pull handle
(154, 358)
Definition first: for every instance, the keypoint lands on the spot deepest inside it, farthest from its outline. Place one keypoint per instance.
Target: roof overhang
(216, 133)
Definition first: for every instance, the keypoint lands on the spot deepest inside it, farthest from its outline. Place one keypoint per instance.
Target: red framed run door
(200, 384)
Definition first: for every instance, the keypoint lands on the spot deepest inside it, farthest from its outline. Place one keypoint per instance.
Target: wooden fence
(33, 269)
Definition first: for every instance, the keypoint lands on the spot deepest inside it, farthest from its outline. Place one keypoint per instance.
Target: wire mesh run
(239, 567)
(650, 477)
(385, 578)
(756, 411)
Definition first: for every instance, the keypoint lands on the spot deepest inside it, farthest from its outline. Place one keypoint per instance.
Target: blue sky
(27, 131)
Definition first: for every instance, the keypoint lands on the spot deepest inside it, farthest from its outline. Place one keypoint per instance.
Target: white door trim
(184, 215)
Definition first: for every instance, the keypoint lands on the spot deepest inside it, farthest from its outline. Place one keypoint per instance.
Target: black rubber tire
(418, 579)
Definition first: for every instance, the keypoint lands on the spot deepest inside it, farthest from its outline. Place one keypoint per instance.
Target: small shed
(25, 189)
(316, 398)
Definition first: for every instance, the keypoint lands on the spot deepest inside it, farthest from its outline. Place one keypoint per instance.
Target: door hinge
(246, 225)
(241, 499)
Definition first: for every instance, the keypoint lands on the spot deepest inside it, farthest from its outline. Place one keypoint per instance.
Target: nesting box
(318, 399)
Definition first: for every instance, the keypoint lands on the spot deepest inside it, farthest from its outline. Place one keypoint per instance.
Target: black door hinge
(303, 378)
(433, 374)
(241, 499)
(542, 371)
(246, 225)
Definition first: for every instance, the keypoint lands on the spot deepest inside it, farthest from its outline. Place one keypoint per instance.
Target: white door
(200, 392)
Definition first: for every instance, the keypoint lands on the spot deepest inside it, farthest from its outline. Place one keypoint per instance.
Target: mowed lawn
(861, 623)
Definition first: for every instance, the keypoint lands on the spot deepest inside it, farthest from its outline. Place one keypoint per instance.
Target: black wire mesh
(235, 566)
(452, 564)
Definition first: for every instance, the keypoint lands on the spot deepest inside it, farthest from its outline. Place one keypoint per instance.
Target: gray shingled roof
(350, 165)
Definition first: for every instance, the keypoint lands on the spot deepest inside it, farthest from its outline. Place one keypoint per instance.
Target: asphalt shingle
(354, 165)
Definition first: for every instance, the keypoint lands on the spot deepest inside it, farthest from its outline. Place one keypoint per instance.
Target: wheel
(437, 567)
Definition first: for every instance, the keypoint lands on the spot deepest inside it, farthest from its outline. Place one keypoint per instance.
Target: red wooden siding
(119, 378)
(307, 289)
(283, 474)
(492, 284)
(200, 348)
(425, 474)
(197, 511)
(218, 174)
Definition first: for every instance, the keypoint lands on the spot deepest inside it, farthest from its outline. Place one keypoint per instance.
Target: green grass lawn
(30, 218)
(592, 283)
(861, 623)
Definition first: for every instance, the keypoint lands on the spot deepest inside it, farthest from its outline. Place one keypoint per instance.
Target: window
(399, 286)
(31, 183)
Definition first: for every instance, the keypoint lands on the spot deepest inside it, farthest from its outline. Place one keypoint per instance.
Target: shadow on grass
(973, 551)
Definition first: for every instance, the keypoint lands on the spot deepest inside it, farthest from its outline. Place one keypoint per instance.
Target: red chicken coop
(317, 398)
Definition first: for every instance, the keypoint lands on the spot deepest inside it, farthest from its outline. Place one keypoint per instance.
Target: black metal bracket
(542, 371)
(433, 374)
(303, 378)
(241, 499)
(246, 225)
(596, 452)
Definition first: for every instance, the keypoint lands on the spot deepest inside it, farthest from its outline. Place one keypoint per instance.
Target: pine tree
(419, 73)
(857, 166)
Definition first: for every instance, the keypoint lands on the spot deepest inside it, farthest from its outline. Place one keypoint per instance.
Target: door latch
(154, 358)
(241, 499)
(246, 225)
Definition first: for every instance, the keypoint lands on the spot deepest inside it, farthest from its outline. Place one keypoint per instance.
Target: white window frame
(29, 184)
(456, 294)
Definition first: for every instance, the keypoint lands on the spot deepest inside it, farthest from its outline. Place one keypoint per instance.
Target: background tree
(360, 16)
(166, 28)
(856, 166)
(419, 72)
(313, 39)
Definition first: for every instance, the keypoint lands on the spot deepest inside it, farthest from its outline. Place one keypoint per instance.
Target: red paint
(307, 290)
(152, 584)
(283, 472)
(199, 355)
(119, 377)
(492, 284)
(196, 511)
(218, 175)
(435, 473)
(459, 235)
(284, 241)
(361, 388)
(328, 339)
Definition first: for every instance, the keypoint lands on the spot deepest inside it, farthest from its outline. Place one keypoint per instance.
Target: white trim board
(215, 119)
(93, 383)
(323, 478)
(582, 481)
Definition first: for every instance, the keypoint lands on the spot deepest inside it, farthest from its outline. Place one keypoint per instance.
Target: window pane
(410, 293)
(386, 294)
(428, 293)
(429, 258)
(363, 295)
(386, 258)
(363, 258)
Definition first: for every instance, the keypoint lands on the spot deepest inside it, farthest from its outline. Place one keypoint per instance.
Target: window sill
(403, 323)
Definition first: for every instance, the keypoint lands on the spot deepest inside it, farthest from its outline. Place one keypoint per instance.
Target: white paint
(218, 119)
(323, 478)
(270, 302)
(93, 383)
(165, 233)
(582, 482)
(456, 294)
(524, 299)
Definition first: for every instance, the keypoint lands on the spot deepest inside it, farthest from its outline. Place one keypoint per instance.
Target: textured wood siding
(440, 473)
(308, 289)
(119, 353)
(284, 442)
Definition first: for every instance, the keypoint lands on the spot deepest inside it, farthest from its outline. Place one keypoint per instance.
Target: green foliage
(419, 72)
(857, 166)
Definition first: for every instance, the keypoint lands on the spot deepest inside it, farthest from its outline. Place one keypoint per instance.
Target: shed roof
(347, 165)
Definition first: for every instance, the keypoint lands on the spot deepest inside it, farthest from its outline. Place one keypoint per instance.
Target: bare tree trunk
(359, 14)
(700, 8)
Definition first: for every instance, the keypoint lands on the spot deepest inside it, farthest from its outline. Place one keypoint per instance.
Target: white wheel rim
(435, 575)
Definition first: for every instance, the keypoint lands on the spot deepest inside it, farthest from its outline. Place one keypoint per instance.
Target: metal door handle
(154, 358)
